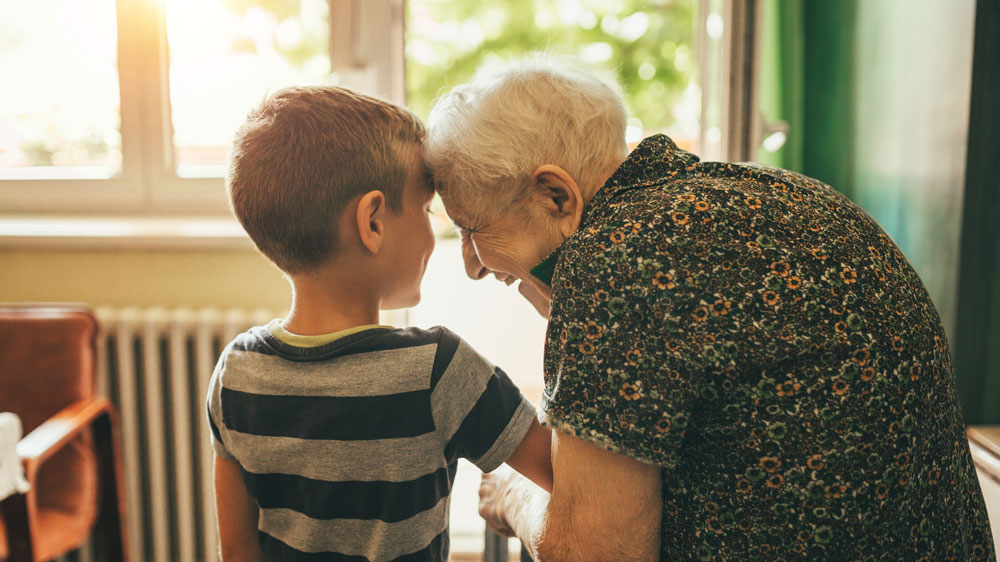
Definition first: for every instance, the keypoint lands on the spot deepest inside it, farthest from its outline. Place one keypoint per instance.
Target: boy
(337, 438)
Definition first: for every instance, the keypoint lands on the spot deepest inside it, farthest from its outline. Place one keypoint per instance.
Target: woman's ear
(370, 220)
(561, 196)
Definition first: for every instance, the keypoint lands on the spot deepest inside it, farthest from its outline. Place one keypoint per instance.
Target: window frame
(728, 73)
(367, 53)
(148, 183)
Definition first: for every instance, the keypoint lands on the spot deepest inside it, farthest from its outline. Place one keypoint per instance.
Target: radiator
(154, 364)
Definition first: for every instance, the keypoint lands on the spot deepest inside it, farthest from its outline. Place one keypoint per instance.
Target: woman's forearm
(603, 506)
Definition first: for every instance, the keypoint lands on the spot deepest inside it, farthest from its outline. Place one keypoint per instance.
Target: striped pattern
(350, 448)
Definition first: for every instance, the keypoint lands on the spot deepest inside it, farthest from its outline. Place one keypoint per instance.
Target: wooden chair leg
(111, 518)
(14, 512)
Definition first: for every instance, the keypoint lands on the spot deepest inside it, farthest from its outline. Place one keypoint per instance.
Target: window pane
(225, 56)
(59, 102)
(648, 45)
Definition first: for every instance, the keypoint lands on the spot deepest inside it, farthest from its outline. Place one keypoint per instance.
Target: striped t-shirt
(350, 448)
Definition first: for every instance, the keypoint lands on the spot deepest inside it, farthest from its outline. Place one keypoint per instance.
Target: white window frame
(728, 73)
(146, 183)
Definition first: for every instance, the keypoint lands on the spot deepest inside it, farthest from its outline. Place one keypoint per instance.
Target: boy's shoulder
(261, 340)
(376, 361)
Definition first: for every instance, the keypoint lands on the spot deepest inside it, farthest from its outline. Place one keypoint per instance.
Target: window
(65, 125)
(129, 106)
(60, 107)
(647, 46)
(225, 55)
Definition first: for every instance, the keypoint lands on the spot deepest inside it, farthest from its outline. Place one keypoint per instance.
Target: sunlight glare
(289, 33)
(588, 20)
(647, 71)
(65, 113)
(714, 26)
(633, 131)
(682, 60)
(543, 19)
(633, 27)
(472, 34)
(596, 52)
(570, 12)
(225, 57)
(775, 141)
(609, 24)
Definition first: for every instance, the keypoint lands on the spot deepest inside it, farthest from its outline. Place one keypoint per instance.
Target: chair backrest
(47, 358)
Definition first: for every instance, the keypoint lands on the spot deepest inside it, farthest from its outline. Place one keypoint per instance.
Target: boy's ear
(560, 195)
(370, 219)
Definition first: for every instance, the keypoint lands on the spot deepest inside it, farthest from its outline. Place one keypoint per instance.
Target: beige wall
(221, 278)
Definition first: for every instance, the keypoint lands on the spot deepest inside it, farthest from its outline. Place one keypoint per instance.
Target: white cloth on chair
(11, 472)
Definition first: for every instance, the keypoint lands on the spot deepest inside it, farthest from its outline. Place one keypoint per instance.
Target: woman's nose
(473, 267)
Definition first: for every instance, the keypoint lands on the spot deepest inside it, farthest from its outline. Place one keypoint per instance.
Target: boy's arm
(483, 416)
(236, 514)
(533, 457)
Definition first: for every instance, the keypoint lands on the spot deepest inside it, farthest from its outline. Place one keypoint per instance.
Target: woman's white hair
(486, 138)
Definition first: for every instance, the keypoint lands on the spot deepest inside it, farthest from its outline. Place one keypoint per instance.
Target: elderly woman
(739, 364)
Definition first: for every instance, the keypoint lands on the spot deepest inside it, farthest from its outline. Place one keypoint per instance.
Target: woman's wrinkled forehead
(458, 213)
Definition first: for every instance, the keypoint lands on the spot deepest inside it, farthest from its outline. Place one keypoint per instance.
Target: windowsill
(99, 232)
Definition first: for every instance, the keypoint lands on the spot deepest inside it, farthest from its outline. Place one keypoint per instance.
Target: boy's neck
(323, 306)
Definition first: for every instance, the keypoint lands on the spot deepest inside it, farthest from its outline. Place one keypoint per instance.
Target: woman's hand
(492, 491)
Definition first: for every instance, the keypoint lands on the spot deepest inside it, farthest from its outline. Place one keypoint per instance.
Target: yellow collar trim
(298, 340)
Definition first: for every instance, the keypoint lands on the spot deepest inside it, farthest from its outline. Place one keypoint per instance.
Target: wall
(229, 278)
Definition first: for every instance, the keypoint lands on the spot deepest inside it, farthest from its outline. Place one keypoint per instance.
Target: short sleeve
(625, 346)
(213, 404)
(481, 415)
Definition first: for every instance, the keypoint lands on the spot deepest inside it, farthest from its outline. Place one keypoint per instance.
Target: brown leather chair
(70, 448)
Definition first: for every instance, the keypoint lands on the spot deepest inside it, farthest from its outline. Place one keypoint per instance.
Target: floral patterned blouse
(763, 340)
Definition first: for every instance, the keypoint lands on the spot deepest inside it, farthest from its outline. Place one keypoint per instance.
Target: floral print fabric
(760, 337)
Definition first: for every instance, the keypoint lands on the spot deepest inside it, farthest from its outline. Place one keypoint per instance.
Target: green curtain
(976, 346)
(807, 82)
(876, 98)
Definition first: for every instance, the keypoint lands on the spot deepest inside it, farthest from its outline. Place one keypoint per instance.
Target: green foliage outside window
(647, 45)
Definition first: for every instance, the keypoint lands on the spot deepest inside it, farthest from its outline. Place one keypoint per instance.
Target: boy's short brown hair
(302, 155)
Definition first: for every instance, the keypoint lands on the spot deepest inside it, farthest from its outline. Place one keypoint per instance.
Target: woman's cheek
(501, 254)
(494, 261)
